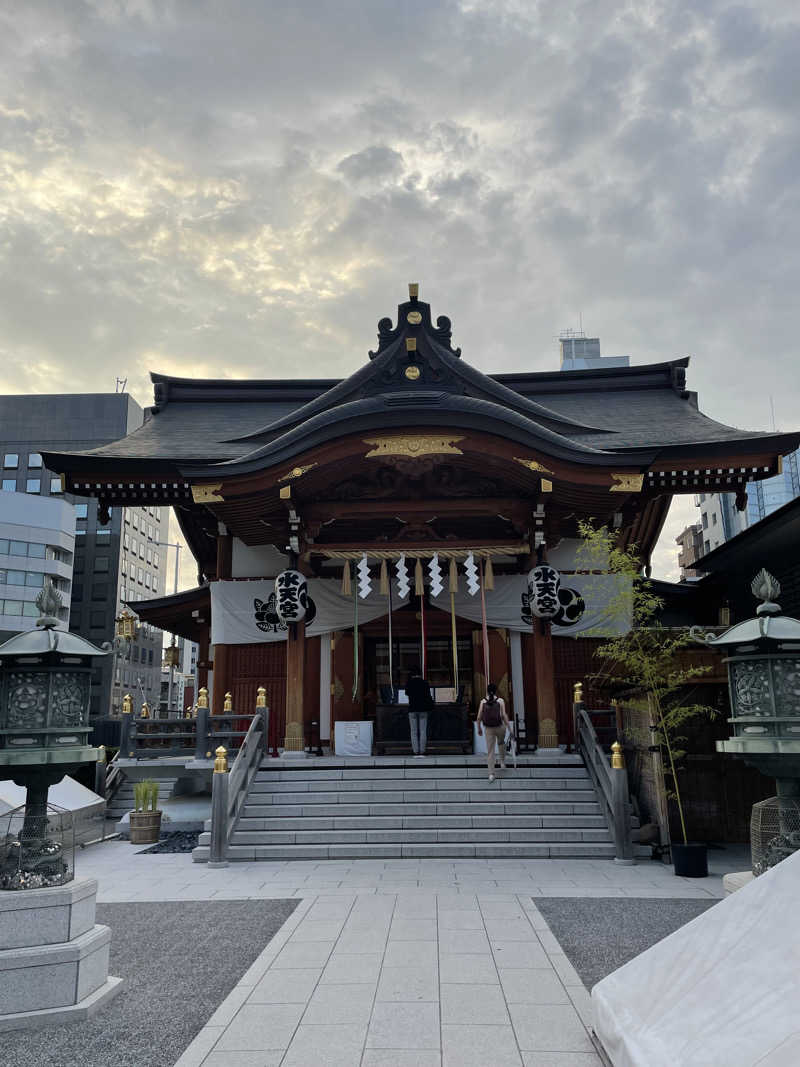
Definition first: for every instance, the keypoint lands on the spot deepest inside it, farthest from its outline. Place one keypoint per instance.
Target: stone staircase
(122, 801)
(400, 807)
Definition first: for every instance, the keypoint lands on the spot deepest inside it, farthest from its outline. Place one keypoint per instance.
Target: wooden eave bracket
(207, 493)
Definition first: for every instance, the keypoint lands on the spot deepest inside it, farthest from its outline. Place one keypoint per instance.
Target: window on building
(34, 579)
(36, 551)
(81, 511)
(123, 567)
(126, 541)
(100, 591)
(134, 545)
(77, 594)
(155, 584)
(141, 550)
(30, 609)
(15, 577)
(97, 619)
(147, 579)
(150, 531)
(11, 461)
(101, 563)
(3, 546)
(713, 518)
(135, 521)
(9, 485)
(706, 546)
(33, 485)
(155, 559)
(158, 514)
(140, 576)
(18, 548)
(55, 485)
(149, 555)
(12, 607)
(705, 520)
(103, 533)
(127, 515)
(34, 461)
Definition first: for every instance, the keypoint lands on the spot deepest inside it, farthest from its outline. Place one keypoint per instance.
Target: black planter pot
(690, 861)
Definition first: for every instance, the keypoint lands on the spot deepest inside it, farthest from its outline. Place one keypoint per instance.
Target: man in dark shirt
(420, 701)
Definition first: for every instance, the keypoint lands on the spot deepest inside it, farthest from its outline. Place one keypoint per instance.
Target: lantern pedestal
(53, 957)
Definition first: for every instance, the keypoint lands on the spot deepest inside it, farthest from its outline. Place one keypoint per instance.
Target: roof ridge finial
(48, 602)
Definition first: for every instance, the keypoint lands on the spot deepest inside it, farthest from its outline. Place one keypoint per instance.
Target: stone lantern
(53, 956)
(764, 680)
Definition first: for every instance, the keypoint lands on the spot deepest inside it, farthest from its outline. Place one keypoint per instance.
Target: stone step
(365, 836)
(396, 850)
(420, 771)
(506, 780)
(426, 822)
(489, 794)
(517, 807)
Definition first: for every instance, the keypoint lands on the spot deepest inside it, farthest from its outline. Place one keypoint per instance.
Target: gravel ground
(179, 962)
(599, 934)
(178, 841)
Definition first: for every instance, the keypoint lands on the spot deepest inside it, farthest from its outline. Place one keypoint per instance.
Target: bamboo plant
(145, 795)
(645, 659)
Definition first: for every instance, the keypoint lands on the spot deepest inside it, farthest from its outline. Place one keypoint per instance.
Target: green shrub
(145, 795)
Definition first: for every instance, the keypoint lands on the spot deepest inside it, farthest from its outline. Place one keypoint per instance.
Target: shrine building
(414, 497)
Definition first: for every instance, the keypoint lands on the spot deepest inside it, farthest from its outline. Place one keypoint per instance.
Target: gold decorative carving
(296, 472)
(285, 492)
(547, 486)
(532, 465)
(548, 734)
(337, 689)
(207, 493)
(411, 344)
(627, 483)
(293, 741)
(412, 372)
(412, 447)
(414, 318)
(413, 290)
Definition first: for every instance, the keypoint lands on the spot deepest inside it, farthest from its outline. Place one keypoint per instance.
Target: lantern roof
(47, 640)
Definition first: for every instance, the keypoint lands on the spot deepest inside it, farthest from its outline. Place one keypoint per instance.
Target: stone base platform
(53, 956)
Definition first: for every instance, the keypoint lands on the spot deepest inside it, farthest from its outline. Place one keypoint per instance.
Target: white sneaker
(418, 755)
(491, 777)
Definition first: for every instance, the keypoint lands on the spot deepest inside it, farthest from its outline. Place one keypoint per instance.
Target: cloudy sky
(244, 189)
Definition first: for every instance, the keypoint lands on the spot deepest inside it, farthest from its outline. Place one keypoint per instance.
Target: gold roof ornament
(413, 447)
(413, 290)
(207, 493)
(532, 465)
(297, 472)
(627, 483)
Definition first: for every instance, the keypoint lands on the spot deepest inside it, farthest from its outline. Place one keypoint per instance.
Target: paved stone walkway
(394, 963)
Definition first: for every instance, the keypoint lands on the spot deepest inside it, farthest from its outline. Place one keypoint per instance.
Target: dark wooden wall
(260, 664)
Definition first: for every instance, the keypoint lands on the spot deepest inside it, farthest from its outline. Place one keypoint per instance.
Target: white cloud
(206, 188)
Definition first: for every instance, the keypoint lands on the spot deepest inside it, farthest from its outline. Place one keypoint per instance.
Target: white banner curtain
(241, 613)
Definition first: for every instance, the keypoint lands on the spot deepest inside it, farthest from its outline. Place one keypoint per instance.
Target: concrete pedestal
(53, 957)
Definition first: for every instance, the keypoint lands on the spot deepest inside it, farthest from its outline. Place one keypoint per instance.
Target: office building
(115, 561)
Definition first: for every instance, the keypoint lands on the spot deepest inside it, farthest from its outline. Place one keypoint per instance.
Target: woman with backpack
(493, 718)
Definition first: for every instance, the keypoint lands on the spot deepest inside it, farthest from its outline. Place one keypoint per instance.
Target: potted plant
(649, 660)
(146, 816)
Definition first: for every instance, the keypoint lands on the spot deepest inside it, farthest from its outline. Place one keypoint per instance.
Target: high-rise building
(720, 520)
(114, 562)
(691, 549)
(579, 352)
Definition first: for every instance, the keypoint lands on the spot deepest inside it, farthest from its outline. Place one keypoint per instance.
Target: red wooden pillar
(295, 670)
(545, 685)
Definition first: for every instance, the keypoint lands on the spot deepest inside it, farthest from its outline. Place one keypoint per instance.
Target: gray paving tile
(348, 1005)
(350, 969)
(258, 1027)
(477, 1046)
(408, 984)
(333, 1046)
(317, 930)
(561, 1059)
(244, 1059)
(285, 986)
(412, 930)
(300, 955)
(519, 954)
(532, 986)
(468, 968)
(549, 1028)
(398, 1025)
(470, 1004)
(410, 954)
(505, 929)
(462, 919)
(395, 1057)
(463, 943)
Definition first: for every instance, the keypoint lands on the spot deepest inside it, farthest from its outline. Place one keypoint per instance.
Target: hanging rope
(455, 643)
(391, 642)
(521, 549)
(422, 630)
(346, 590)
(485, 630)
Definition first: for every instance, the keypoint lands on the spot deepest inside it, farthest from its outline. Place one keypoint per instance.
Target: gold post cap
(127, 704)
(202, 698)
(102, 753)
(261, 698)
(617, 758)
(221, 762)
(145, 710)
(577, 692)
(228, 705)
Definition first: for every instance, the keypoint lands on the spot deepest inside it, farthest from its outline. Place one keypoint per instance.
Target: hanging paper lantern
(291, 596)
(544, 582)
(571, 607)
